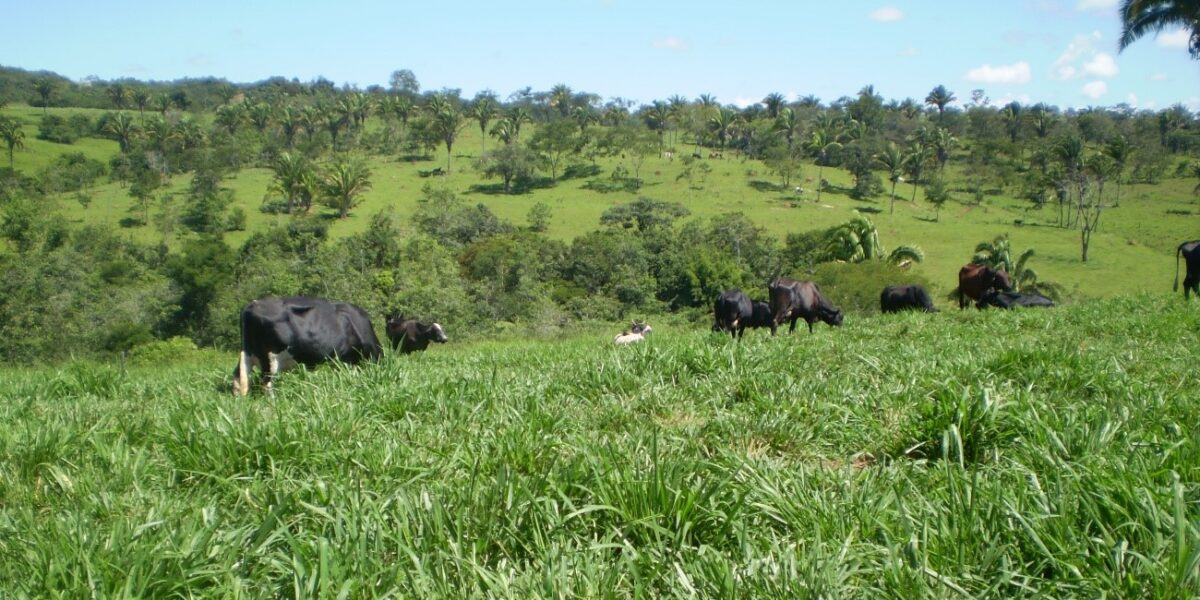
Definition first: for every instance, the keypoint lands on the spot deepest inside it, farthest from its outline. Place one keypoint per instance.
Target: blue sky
(1062, 52)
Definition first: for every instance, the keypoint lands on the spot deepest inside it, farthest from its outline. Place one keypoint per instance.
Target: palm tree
(820, 142)
(230, 116)
(118, 94)
(892, 161)
(1042, 119)
(14, 138)
(1069, 152)
(788, 124)
(1012, 116)
(260, 115)
(855, 241)
(504, 131)
(1120, 151)
(560, 99)
(658, 119)
(997, 254)
(517, 115)
(447, 122)
(141, 99)
(1139, 17)
(293, 178)
(45, 88)
(940, 97)
(914, 165)
(483, 111)
(290, 121)
(943, 143)
(583, 116)
(722, 123)
(121, 126)
(162, 103)
(774, 103)
(342, 183)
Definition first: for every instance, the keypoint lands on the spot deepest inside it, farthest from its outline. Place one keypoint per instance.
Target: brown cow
(792, 300)
(974, 280)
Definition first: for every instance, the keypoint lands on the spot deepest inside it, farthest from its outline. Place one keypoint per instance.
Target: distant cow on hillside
(280, 332)
(1190, 251)
(895, 298)
(792, 300)
(974, 280)
(411, 335)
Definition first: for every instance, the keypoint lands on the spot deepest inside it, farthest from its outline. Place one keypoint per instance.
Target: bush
(161, 352)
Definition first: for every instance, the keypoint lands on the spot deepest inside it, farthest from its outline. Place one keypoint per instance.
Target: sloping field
(974, 454)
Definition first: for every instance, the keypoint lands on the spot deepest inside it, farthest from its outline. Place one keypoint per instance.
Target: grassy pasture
(974, 454)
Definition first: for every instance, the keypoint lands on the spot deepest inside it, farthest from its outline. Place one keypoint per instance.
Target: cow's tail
(1178, 252)
(241, 385)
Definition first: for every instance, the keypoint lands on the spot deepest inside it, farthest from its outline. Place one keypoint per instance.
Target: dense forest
(179, 144)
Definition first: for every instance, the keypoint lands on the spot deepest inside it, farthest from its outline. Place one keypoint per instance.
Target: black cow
(895, 298)
(279, 332)
(410, 335)
(975, 280)
(792, 300)
(1008, 300)
(734, 312)
(1191, 257)
(731, 312)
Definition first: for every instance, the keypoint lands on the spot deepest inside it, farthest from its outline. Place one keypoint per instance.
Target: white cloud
(1083, 46)
(1131, 99)
(886, 14)
(744, 101)
(910, 52)
(1096, 4)
(1159, 77)
(1094, 89)
(1174, 39)
(1015, 73)
(1023, 99)
(1101, 65)
(670, 43)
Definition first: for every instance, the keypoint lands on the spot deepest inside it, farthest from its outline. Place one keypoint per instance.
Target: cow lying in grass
(637, 332)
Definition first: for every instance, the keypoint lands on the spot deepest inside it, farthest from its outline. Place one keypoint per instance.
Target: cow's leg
(244, 371)
(277, 362)
(792, 328)
(962, 300)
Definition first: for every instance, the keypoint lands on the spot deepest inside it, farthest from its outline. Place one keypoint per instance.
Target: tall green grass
(974, 454)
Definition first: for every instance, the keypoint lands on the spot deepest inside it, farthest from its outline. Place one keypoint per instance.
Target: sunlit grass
(977, 454)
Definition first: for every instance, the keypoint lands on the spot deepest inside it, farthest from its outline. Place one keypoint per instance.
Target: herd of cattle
(280, 332)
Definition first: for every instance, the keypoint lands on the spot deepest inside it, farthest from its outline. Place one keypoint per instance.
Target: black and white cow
(895, 298)
(279, 332)
(636, 333)
(411, 335)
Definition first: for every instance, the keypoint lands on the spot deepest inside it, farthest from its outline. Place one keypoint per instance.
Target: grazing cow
(895, 298)
(792, 300)
(280, 332)
(637, 332)
(1007, 300)
(974, 280)
(1191, 258)
(411, 335)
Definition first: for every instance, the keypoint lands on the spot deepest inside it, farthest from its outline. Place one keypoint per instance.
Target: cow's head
(640, 327)
(434, 333)
(1001, 280)
(831, 316)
